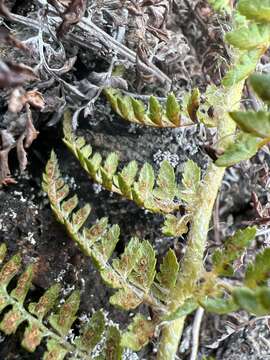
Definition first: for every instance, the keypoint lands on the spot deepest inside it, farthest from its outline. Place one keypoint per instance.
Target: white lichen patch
(30, 238)
(160, 156)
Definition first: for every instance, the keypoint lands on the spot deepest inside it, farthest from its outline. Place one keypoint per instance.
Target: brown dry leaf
(35, 99)
(7, 38)
(30, 132)
(19, 98)
(16, 100)
(72, 16)
(13, 75)
(8, 142)
(142, 58)
(21, 153)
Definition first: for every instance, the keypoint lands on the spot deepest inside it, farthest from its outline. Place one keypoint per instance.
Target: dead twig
(196, 333)
(90, 30)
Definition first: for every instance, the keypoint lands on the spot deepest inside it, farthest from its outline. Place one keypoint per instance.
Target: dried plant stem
(93, 32)
(196, 333)
(192, 264)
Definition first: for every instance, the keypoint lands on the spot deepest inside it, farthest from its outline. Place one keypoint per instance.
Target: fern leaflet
(156, 195)
(58, 324)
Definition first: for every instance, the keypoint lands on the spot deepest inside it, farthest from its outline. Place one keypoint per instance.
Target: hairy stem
(170, 339)
(192, 265)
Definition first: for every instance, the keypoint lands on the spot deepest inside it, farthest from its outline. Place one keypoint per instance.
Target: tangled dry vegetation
(46, 67)
(84, 66)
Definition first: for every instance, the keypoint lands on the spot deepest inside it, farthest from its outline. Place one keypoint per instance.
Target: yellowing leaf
(65, 316)
(23, 285)
(191, 175)
(91, 332)
(139, 110)
(144, 270)
(143, 188)
(139, 332)
(55, 351)
(32, 337)
(125, 299)
(128, 259)
(174, 226)
(111, 164)
(46, 302)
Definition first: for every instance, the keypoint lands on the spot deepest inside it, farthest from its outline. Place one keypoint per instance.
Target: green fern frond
(244, 148)
(251, 37)
(219, 305)
(255, 301)
(254, 127)
(133, 273)
(156, 115)
(154, 194)
(188, 193)
(139, 332)
(234, 247)
(258, 272)
(47, 311)
(166, 277)
(261, 85)
(258, 10)
(221, 5)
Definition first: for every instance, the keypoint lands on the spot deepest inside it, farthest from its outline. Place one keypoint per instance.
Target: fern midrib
(47, 332)
(192, 265)
(98, 179)
(146, 297)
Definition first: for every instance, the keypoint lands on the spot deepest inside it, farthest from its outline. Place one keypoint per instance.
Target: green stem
(192, 264)
(170, 339)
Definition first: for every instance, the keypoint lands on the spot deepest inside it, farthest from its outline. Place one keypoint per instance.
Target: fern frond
(166, 277)
(255, 301)
(254, 127)
(219, 305)
(139, 332)
(154, 194)
(251, 37)
(258, 10)
(156, 115)
(244, 148)
(38, 315)
(258, 272)
(133, 273)
(234, 247)
(221, 5)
